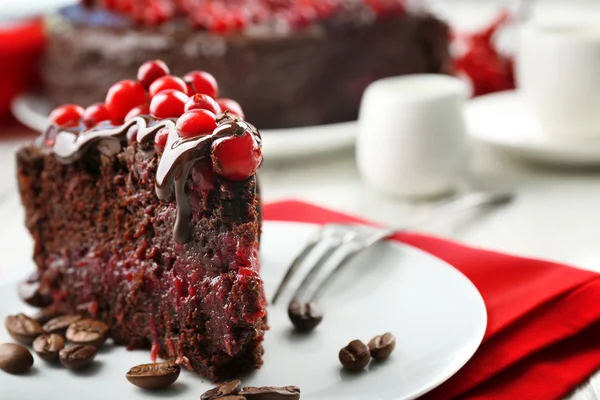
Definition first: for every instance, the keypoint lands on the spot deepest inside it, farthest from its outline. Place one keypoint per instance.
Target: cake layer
(282, 79)
(104, 247)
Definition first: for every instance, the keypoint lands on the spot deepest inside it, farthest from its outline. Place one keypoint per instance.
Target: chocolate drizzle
(174, 166)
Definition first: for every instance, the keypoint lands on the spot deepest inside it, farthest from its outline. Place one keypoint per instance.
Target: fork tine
(333, 248)
(350, 253)
(300, 257)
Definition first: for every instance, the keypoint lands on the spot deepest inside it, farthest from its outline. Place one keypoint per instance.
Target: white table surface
(556, 214)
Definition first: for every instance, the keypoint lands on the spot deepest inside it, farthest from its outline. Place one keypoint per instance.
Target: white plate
(32, 110)
(12, 10)
(504, 120)
(436, 313)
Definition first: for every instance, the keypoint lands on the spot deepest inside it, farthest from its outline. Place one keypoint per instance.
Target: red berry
(202, 82)
(160, 140)
(204, 102)
(151, 71)
(144, 109)
(94, 114)
(231, 105)
(165, 83)
(196, 122)
(236, 158)
(168, 103)
(122, 97)
(66, 116)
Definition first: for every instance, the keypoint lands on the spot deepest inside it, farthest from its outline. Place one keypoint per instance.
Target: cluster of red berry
(222, 16)
(192, 100)
(488, 70)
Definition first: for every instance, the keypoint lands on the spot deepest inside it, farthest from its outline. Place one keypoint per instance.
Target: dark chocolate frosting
(179, 155)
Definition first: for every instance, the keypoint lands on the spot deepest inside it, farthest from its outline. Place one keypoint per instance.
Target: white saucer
(437, 315)
(32, 111)
(505, 121)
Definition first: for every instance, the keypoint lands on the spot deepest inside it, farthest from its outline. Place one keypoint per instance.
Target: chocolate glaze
(179, 156)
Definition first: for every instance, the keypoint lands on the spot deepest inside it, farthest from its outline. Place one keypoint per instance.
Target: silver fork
(340, 242)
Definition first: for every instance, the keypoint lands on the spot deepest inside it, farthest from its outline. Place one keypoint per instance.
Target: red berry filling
(160, 140)
(165, 83)
(195, 123)
(202, 82)
(204, 102)
(231, 105)
(94, 114)
(122, 97)
(151, 71)
(67, 116)
(236, 158)
(168, 103)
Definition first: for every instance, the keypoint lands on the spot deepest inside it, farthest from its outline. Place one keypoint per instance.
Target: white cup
(558, 72)
(411, 135)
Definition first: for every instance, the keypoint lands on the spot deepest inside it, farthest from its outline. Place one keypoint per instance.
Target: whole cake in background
(145, 214)
(288, 62)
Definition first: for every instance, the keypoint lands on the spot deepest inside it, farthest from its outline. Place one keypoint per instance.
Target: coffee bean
(382, 346)
(88, 331)
(29, 292)
(271, 393)
(154, 376)
(356, 356)
(45, 314)
(60, 324)
(47, 346)
(22, 328)
(15, 359)
(304, 316)
(226, 389)
(77, 356)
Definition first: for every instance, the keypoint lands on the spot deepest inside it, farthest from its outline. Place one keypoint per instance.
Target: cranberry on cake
(145, 215)
(289, 62)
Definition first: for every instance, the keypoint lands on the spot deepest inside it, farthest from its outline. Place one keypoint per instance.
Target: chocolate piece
(22, 328)
(225, 389)
(15, 359)
(61, 323)
(382, 346)
(48, 346)
(271, 393)
(29, 292)
(153, 376)
(88, 331)
(304, 316)
(313, 76)
(78, 356)
(355, 357)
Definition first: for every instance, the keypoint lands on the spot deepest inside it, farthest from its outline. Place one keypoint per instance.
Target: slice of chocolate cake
(150, 223)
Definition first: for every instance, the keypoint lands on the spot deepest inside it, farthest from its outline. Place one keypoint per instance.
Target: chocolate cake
(288, 62)
(150, 223)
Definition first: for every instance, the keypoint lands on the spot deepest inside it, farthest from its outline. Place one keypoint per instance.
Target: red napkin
(543, 335)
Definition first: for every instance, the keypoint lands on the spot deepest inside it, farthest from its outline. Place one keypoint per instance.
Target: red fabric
(21, 49)
(543, 335)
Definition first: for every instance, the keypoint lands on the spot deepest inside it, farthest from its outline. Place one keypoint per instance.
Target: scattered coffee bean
(15, 359)
(154, 376)
(271, 393)
(382, 346)
(356, 356)
(29, 291)
(47, 346)
(45, 314)
(77, 356)
(305, 316)
(88, 331)
(60, 324)
(226, 389)
(22, 328)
